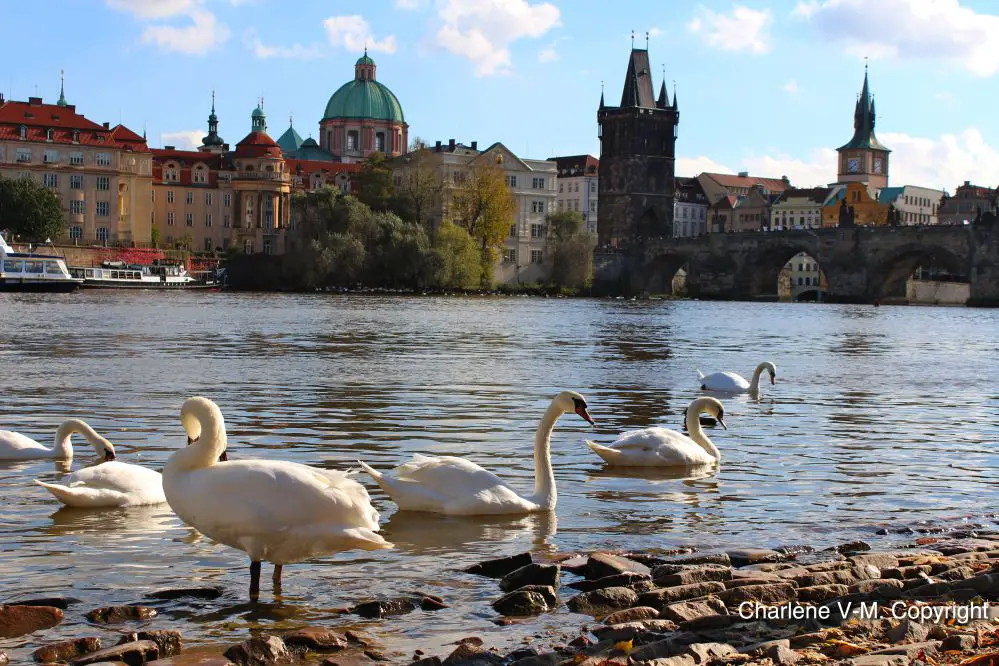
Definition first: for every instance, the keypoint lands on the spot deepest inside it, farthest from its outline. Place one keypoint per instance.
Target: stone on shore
(56, 602)
(617, 580)
(910, 650)
(4, 659)
(66, 650)
(687, 611)
(744, 556)
(678, 660)
(531, 574)
(775, 593)
(397, 606)
(907, 631)
(187, 593)
(604, 600)
(118, 614)
(20, 620)
(759, 579)
(701, 558)
(705, 652)
(521, 602)
(632, 615)
(822, 593)
(317, 639)
(132, 653)
(169, 641)
(468, 653)
(547, 591)
(879, 560)
(601, 565)
(668, 595)
(688, 576)
(882, 588)
(501, 566)
(960, 642)
(258, 651)
(781, 655)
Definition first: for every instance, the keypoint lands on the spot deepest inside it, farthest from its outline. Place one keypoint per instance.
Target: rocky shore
(926, 603)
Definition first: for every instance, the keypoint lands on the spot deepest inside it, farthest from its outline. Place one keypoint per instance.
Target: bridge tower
(637, 158)
(864, 159)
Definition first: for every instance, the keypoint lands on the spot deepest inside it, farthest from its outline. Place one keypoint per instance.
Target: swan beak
(721, 422)
(583, 414)
(108, 454)
(224, 457)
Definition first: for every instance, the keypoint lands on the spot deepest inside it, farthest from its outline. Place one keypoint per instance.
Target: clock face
(877, 165)
(853, 164)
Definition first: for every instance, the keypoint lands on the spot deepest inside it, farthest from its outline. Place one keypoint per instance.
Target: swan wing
(15, 446)
(86, 496)
(656, 447)
(724, 381)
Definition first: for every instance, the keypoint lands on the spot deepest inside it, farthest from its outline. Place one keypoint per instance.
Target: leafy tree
(374, 183)
(154, 236)
(484, 206)
(571, 250)
(454, 261)
(420, 188)
(31, 211)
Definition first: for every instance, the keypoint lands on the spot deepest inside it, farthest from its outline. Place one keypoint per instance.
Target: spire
(62, 89)
(638, 82)
(601, 95)
(213, 140)
(675, 107)
(663, 101)
(863, 120)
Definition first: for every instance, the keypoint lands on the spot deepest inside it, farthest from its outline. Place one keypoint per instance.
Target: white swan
(274, 511)
(731, 382)
(457, 487)
(661, 447)
(15, 446)
(110, 483)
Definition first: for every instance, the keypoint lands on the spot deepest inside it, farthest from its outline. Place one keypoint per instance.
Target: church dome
(364, 97)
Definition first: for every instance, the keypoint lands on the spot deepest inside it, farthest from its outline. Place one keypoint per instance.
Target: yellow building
(854, 204)
(103, 174)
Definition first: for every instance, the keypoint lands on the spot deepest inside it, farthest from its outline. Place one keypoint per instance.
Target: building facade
(801, 276)
(739, 202)
(969, 201)
(690, 209)
(864, 159)
(103, 174)
(637, 158)
(578, 187)
(915, 205)
(854, 205)
(798, 209)
(363, 117)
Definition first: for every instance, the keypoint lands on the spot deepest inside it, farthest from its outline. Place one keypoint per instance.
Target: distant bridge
(860, 263)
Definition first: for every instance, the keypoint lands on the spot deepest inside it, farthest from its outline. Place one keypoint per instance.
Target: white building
(917, 205)
(801, 274)
(578, 178)
(799, 209)
(690, 209)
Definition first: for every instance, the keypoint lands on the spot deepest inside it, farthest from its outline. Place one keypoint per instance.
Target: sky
(764, 86)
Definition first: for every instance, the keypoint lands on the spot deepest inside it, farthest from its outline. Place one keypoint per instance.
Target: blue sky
(767, 87)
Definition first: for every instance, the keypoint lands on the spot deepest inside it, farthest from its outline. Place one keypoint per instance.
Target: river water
(880, 417)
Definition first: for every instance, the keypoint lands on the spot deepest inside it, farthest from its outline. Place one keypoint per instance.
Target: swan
(709, 421)
(274, 511)
(662, 447)
(458, 487)
(15, 446)
(731, 382)
(110, 483)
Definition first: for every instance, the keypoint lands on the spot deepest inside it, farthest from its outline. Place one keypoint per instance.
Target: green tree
(420, 188)
(154, 236)
(374, 183)
(571, 250)
(31, 211)
(484, 206)
(454, 261)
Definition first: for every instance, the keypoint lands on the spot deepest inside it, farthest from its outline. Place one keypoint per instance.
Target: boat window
(90, 272)
(136, 275)
(34, 266)
(12, 266)
(52, 268)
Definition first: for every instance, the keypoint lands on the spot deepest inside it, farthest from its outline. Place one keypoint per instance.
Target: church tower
(864, 159)
(637, 156)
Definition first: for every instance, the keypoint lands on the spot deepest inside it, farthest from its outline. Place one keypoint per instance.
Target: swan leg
(254, 580)
(276, 578)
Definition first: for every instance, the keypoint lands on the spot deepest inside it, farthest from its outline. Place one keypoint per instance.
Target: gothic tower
(637, 155)
(864, 159)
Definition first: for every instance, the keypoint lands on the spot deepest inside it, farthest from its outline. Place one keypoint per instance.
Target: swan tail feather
(83, 497)
(700, 375)
(372, 472)
(368, 539)
(608, 454)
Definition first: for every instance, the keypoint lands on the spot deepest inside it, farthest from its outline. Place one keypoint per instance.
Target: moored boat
(119, 275)
(34, 272)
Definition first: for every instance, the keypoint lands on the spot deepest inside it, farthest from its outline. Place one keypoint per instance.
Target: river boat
(34, 272)
(119, 275)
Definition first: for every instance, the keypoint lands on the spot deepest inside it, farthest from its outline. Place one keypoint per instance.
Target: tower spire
(601, 95)
(62, 88)
(646, 40)
(632, 40)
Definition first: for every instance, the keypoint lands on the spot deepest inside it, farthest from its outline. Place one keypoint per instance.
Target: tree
(154, 236)
(420, 188)
(31, 211)
(374, 183)
(454, 261)
(484, 206)
(572, 250)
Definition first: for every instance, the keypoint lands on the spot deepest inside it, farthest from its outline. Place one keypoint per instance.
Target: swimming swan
(110, 483)
(458, 487)
(731, 382)
(661, 447)
(274, 511)
(15, 446)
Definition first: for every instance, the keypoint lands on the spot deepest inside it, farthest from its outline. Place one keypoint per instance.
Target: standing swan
(661, 447)
(111, 483)
(731, 382)
(277, 511)
(15, 446)
(457, 487)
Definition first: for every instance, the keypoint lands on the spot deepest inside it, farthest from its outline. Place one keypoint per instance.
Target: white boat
(119, 275)
(33, 272)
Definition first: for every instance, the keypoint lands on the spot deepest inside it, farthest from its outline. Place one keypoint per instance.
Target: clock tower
(864, 159)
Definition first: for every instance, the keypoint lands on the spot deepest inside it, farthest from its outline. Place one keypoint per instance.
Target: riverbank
(932, 600)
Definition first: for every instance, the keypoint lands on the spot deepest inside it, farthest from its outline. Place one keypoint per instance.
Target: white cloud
(791, 87)
(353, 33)
(548, 54)
(655, 32)
(183, 139)
(945, 97)
(408, 4)
(693, 166)
(264, 51)
(483, 30)
(203, 33)
(743, 29)
(818, 169)
(909, 29)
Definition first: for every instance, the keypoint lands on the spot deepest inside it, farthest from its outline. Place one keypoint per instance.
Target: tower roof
(638, 82)
(863, 122)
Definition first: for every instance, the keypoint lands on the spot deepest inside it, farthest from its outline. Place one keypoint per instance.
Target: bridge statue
(847, 216)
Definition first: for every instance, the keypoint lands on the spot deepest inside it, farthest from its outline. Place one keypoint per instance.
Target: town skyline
(787, 122)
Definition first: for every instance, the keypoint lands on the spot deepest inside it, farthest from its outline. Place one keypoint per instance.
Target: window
(537, 256)
(226, 221)
(537, 231)
(510, 256)
(190, 197)
(511, 181)
(200, 175)
(513, 231)
(379, 146)
(50, 179)
(351, 144)
(23, 131)
(538, 183)
(267, 247)
(169, 196)
(189, 219)
(103, 183)
(76, 139)
(103, 208)
(593, 186)
(75, 233)
(23, 155)
(170, 218)
(77, 207)
(227, 199)
(537, 206)
(170, 174)
(248, 246)
(103, 159)
(560, 188)
(801, 281)
(102, 233)
(51, 157)
(76, 182)
(593, 206)
(208, 219)
(208, 198)
(208, 245)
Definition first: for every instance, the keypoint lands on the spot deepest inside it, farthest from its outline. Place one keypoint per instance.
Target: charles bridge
(861, 264)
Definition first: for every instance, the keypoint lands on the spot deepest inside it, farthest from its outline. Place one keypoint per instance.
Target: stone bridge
(860, 263)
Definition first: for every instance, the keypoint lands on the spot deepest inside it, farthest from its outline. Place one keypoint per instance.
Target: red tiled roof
(729, 180)
(314, 166)
(38, 119)
(186, 157)
(258, 144)
(122, 133)
(576, 165)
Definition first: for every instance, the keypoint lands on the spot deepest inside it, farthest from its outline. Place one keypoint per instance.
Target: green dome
(364, 98)
(364, 60)
(257, 113)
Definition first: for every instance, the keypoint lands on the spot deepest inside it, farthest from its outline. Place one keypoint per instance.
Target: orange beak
(583, 414)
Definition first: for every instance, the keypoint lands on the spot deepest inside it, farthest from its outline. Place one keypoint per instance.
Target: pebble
(617, 580)
(118, 614)
(531, 574)
(501, 566)
(257, 651)
(187, 592)
(632, 615)
(601, 565)
(66, 650)
(604, 600)
(668, 595)
(521, 602)
(132, 653)
(20, 620)
(318, 639)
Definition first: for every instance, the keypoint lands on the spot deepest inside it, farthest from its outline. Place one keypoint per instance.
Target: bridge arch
(659, 273)
(762, 266)
(890, 274)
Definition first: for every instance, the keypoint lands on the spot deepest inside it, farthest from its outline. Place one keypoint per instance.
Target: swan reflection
(417, 532)
(131, 521)
(656, 475)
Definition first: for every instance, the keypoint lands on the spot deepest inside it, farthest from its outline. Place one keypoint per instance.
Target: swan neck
(755, 384)
(211, 442)
(63, 438)
(544, 476)
(698, 435)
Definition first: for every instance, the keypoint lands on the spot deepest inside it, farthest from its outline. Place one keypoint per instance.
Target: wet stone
(547, 659)
(780, 655)
(469, 653)
(317, 639)
(66, 650)
(686, 611)
(743, 556)
(699, 574)
(187, 593)
(821, 593)
(546, 591)
(521, 602)
(532, 574)
(61, 603)
(702, 558)
(501, 566)
(192, 660)
(258, 651)
(775, 593)
(20, 620)
(617, 580)
(961, 642)
(632, 615)
(132, 653)
(907, 631)
(704, 652)
(601, 565)
(604, 600)
(668, 595)
(117, 614)
(388, 607)
(426, 661)
(169, 641)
